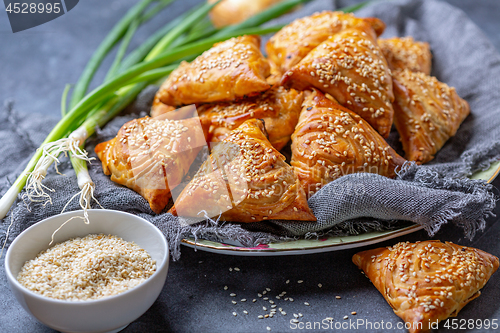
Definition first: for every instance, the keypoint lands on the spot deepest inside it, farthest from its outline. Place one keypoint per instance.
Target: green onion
(64, 99)
(122, 49)
(355, 7)
(101, 92)
(155, 10)
(142, 51)
(191, 19)
(154, 74)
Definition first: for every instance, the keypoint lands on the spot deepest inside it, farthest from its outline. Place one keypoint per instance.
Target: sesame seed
(235, 314)
(305, 303)
(346, 317)
(103, 264)
(232, 294)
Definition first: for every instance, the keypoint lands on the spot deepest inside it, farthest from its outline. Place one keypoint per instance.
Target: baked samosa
(245, 179)
(426, 113)
(350, 67)
(151, 156)
(331, 141)
(292, 43)
(231, 69)
(427, 282)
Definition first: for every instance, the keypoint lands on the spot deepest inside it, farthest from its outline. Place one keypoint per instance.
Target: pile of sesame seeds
(87, 268)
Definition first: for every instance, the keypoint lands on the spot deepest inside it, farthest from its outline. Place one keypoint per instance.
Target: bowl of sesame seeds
(95, 277)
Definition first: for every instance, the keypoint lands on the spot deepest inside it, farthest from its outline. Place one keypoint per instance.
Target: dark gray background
(37, 63)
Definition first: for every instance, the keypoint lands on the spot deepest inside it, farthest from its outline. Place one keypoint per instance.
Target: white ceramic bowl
(109, 314)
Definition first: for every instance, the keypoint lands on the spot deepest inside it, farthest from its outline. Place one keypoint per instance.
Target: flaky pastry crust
(350, 66)
(229, 70)
(278, 107)
(406, 53)
(292, 43)
(426, 113)
(244, 180)
(330, 141)
(150, 156)
(427, 281)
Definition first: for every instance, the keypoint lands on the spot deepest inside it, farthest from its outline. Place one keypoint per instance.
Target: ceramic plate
(325, 244)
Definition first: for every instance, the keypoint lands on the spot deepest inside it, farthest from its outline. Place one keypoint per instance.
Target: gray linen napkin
(429, 195)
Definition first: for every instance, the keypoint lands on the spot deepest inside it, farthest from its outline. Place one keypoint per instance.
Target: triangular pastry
(429, 281)
(292, 43)
(331, 141)
(426, 114)
(278, 107)
(231, 69)
(350, 67)
(406, 53)
(151, 156)
(244, 180)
